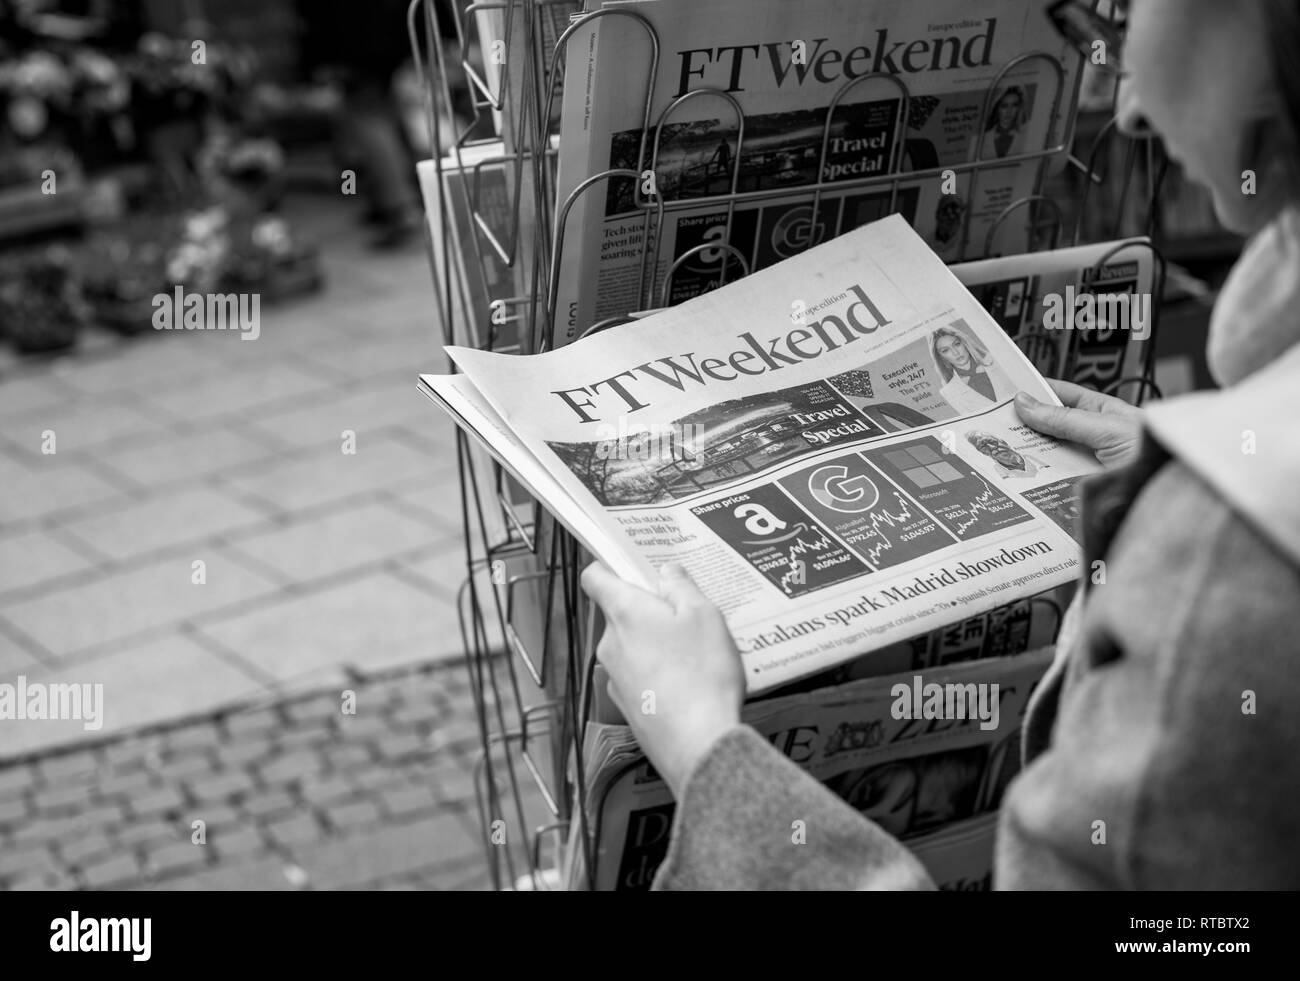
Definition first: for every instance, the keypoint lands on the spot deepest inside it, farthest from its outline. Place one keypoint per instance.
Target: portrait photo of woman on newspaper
(972, 381)
(1003, 134)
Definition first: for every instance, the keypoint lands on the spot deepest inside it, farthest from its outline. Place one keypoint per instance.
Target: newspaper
(935, 783)
(481, 288)
(1084, 313)
(510, 69)
(785, 65)
(829, 448)
(481, 284)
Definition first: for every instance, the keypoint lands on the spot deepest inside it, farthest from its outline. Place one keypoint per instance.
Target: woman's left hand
(674, 671)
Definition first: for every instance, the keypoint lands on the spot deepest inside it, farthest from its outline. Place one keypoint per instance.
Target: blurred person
(363, 47)
(1147, 717)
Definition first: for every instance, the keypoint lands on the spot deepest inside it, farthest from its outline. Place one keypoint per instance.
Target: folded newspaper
(828, 446)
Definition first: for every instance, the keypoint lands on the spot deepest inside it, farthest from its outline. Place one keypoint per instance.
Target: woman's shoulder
(1192, 593)
(1240, 443)
(1180, 707)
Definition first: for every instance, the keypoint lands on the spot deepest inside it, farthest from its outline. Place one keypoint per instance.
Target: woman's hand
(674, 671)
(1108, 426)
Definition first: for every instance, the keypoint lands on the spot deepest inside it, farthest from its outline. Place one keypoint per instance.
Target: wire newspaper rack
(528, 632)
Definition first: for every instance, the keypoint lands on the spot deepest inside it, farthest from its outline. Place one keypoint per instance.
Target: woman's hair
(992, 122)
(977, 350)
(1282, 26)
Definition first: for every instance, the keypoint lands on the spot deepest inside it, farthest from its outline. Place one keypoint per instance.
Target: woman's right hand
(1108, 426)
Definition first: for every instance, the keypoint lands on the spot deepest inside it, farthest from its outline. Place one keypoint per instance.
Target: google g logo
(832, 487)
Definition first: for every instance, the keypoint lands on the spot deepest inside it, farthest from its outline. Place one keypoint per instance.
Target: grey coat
(1144, 720)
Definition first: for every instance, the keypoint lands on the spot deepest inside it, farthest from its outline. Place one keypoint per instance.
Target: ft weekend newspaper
(828, 446)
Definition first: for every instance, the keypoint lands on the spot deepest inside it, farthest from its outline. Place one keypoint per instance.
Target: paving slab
(377, 620)
(165, 522)
(357, 536)
(119, 605)
(33, 557)
(325, 473)
(147, 684)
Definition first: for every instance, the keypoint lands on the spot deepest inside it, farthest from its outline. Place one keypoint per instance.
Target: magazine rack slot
(605, 324)
(725, 247)
(561, 224)
(559, 55)
(1141, 143)
(512, 519)
(546, 710)
(1145, 379)
(895, 150)
(556, 829)
(1058, 91)
(493, 100)
(515, 642)
(506, 252)
(1033, 201)
(503, 806)
(665, 204)
(1042, 350)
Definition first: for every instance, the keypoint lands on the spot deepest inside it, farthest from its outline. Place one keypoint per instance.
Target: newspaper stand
(520, 603)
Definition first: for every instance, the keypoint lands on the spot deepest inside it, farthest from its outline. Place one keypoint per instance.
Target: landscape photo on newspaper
(828, 446)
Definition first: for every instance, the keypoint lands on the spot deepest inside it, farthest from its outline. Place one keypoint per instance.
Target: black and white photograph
(733, 446)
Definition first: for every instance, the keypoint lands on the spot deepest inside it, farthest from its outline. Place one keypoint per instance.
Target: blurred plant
(197, 261)
(41, 303)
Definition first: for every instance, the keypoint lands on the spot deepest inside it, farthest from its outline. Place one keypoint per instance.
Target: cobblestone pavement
(294, 794)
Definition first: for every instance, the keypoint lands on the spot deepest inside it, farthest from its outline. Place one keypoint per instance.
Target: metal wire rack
(520, 605)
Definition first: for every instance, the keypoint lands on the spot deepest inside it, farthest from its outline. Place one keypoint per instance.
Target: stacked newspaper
(828, 447)
(1085, 313)
(931, 778)
(770, 126)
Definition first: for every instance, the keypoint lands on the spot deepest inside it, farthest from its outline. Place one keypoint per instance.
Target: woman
(971, 381)
(1172, 710)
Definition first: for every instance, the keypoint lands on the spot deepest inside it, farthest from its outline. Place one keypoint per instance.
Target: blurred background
(233, 537)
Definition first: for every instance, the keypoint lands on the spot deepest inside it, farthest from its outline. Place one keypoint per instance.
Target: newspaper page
(911, 88)
(933, 783)
(480, 289)
(829, 448)
(509, 68)
(1084, 313)
(479, 285)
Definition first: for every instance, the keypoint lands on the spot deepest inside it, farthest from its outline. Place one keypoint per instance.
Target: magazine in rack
(934, 784)
(1085, 313)
(770, 127)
